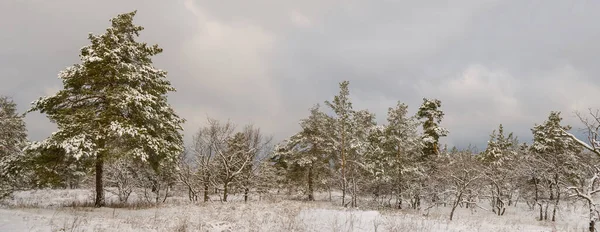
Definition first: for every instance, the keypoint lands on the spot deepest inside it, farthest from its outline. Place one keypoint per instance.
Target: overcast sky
(268, 61)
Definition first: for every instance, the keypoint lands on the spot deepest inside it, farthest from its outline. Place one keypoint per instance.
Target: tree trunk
(592, 222)
(546, 211)
(343, 168)
(399, 199)
(206, 189)
(354, 193)
(311, 196)
(246, 192)
(156, 188)
(399, 184)
(225, 185)
(99, 185)
(557, 197)
(541, 212)
(555, 205)
(458, 199)
(166, 194)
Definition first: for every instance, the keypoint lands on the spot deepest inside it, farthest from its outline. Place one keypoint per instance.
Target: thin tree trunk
(458, 199)
(354, 194)
(343, 168)
(399, 160)
(592, 222)
(311, 196)
(541, 212)
(546, 211)
(99, 184)
(225, 185)
(166, 194)
(157, 188)
(555, 207)
(557, 198)
(246, 192)
(206, 189)
(399, 199)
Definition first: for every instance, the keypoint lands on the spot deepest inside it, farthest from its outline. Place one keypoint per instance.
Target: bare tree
(592, 128)
(258, 147)
(462, 176)
(121, 175)
(233, 161)
(209, 142)
(588, 186)
(188, 175)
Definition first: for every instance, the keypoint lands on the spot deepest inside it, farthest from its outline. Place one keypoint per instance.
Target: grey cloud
(267, 62)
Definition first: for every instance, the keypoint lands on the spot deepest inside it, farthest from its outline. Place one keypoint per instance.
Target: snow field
(44, 210)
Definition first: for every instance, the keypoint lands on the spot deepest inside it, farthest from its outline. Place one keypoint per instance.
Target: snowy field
(57, 210)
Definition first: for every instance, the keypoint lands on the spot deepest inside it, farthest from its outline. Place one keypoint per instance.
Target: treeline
(116, 129)
(401, 164)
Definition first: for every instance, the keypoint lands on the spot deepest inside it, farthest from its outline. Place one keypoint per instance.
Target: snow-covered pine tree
(500, 148)
(431, 116)
(499, 168)
(306, 154)
(342, 131)
(114, 98)
(13, 138)
(363, 123)
(401, 147)
(556, 154)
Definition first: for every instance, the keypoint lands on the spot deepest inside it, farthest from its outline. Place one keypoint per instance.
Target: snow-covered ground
(41, 211)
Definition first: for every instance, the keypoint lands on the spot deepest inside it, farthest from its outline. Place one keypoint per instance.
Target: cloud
(478, 99)
(299, 19)
(230, 67)
(267, 62)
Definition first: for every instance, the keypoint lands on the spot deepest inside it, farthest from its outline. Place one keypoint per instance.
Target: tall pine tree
(342, 131)
(114, 98)
(13, 138)
(556, 155)
(431, 116)
(306, 154)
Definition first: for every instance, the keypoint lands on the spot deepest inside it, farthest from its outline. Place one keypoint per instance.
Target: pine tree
(307, 153)
(556, 154)
(431, 116)
(13, 138)
(498, 159)
(114, 98)
(500, 149)
(342, 131)
(363, 123)
(401, 146)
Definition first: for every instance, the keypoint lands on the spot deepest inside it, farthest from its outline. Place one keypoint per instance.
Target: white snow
(39, 212)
